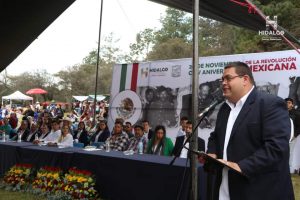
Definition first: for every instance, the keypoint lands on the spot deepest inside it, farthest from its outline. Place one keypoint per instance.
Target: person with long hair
(160, 144)
(65, 139)
(81, 134)
(102, 132)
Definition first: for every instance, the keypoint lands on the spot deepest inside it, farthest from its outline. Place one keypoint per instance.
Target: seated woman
(101, 134)
(42, 133)
(81, 134)
(65, 139)
(160, 144)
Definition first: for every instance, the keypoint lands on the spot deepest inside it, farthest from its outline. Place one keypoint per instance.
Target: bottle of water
(107, 146)
(19, 137)
(140, 147)
(3, 137)
(36, 137)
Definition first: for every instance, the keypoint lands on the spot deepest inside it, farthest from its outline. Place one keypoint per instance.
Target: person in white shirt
(65, 139)
(179, 150)
(183, 121)
(55, 132)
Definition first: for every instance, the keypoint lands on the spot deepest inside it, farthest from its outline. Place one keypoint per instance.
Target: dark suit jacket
(150, 134)
(259, 144)
(83, 137)
(24, 135)
(179, 142)
(102, 138)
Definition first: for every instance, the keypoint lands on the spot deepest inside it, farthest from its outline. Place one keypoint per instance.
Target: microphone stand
(209, 176)
(202, 116)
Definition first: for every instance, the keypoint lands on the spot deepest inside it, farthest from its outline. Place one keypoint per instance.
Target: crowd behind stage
(50, 125)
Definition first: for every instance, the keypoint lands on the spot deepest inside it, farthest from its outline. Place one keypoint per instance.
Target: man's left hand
(231, 164)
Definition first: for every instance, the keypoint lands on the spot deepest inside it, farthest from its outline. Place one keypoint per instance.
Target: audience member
(102, 132)
(183, 152)
(33, 130)
(65, 139)
(147, 131)
(81, 135)
(23, 131)
(160, 144)
(128, 129)
(138, 137)
(183, 121)
(54, 133)
(119, 140)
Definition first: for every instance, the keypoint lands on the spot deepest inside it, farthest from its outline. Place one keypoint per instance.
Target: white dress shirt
(53, 136)
(235, 110)
(184, 151)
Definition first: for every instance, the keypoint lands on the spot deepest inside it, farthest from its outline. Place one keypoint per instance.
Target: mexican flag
(125, 77)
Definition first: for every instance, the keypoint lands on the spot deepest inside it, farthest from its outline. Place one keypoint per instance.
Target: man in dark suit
(252, 136)
(182, 152)
(147, 131)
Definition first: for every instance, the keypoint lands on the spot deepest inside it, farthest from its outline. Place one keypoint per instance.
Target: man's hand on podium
(231, 164)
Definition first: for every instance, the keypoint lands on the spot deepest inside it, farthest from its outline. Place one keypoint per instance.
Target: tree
(35, 79)
(144, 42)
(175, 24)
(171, 49)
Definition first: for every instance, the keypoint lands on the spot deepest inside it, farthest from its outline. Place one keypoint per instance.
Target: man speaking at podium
(252, 136)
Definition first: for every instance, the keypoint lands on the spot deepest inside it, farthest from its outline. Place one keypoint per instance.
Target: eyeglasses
(229, 78)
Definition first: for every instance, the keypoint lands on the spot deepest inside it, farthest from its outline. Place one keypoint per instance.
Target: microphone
(211, 107)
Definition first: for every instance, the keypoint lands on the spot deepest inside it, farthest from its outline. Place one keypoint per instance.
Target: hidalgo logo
(271, 32)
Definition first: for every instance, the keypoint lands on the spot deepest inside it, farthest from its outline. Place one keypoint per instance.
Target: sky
(74, 34)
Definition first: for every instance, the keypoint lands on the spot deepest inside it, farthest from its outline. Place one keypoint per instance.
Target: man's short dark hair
(184, 118)
(145, 121)
(241, 69)
(118, 122)
(128, 123)
(139, 126)
(289, 99)
(189, 122)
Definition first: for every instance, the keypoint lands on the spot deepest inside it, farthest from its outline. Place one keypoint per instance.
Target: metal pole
(195, 83)
(97, 65)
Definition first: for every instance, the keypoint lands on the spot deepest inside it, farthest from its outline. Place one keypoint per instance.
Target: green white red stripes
(128, 78)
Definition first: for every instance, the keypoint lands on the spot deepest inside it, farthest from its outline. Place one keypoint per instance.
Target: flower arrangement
(80, 184)
(18, 177)
(51, 182)
(48, 179)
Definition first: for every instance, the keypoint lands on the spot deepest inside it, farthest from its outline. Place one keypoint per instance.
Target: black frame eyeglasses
(229, 78)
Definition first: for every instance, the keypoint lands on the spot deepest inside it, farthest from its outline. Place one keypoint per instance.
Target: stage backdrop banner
(160, 91)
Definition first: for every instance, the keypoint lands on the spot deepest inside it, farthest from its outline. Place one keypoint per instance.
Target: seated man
(138, 136)
(182, 152)
(54, 133)
(183, 121)
(119, 140)
(128, 129)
